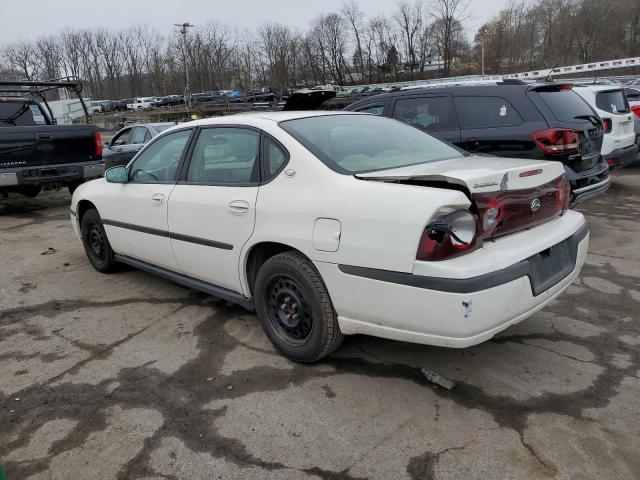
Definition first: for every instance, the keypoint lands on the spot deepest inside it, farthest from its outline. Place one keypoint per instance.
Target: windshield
(613, 101)
(363, 143)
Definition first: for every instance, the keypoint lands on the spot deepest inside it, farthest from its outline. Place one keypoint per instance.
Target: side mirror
(117, 175)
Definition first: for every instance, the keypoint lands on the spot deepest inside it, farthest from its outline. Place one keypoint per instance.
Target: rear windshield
(613, 101)
(20, 114)
(566, 105)
(365, 143)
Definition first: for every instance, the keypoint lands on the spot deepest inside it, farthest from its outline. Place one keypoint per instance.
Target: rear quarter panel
(381, 223)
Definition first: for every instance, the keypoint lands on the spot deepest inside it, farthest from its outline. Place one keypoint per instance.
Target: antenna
(546, 79)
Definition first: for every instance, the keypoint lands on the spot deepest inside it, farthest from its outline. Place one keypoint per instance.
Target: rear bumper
(589, 183)
(51, 174)
(447, 312)
(622, 157)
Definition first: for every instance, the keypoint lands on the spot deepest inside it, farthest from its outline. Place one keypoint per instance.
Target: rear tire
(295, 310)
(96, 244)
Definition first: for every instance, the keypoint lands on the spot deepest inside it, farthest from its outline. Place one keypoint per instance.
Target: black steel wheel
(96, 244)
(294, 308)
(289, 310)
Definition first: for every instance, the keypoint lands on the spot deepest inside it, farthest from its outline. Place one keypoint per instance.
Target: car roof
(600, 88)
(272, 116)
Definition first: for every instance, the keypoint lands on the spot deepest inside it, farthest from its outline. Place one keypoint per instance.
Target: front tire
(96, 244)
(295, 310)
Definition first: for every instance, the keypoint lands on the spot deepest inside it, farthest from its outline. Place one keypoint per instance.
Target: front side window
(159, 161)
(225, 156)
(426, 113)
(122, 138)
(486, 112)
(371, 109)
(360, 143)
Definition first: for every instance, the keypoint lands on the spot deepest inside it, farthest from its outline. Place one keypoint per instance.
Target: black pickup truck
(36, 154)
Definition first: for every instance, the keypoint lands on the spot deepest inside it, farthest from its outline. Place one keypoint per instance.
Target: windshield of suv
(612, 101)
(566, 105)
(364, 143)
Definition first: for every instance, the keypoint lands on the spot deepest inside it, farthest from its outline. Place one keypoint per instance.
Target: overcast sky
(37, 17)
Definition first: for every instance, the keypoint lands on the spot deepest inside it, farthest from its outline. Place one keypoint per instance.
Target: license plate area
(549, 267)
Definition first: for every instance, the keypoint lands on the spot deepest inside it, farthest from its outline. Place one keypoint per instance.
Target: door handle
(238, 207)
(158, 199)
(45, 136)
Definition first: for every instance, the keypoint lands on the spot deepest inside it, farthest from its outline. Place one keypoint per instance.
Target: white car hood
(478, 173)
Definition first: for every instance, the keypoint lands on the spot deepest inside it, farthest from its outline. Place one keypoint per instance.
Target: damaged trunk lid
(507, 194)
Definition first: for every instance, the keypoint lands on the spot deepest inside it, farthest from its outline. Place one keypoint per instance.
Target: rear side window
(566, 105)
(225, 155)
(486, 112)
(613, 101)
(20, 114)
(426, 113)
(275, 157)
(372, 109)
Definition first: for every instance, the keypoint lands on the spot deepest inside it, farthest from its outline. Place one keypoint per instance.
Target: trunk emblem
(535, 205)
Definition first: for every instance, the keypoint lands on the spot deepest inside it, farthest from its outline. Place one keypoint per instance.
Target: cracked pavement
(128, 376)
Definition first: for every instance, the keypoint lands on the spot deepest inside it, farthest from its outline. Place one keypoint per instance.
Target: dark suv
(545, 121)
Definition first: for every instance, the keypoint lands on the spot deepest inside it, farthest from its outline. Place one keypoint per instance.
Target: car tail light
(449, 236)
(97, 138)
(563, 194)
(557, 140)
(606, 123)
(636, 109)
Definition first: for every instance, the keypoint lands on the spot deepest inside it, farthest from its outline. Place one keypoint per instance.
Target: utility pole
(483, 31)
(187, 89)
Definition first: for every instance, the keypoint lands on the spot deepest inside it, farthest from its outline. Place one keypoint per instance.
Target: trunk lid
(507, 194)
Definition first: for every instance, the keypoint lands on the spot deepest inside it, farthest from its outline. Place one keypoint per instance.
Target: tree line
(419, 39)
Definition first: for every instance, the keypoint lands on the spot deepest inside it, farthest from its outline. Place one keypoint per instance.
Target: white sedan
(331, 224)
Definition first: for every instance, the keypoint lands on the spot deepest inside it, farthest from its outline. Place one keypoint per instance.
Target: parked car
(633, 97)
(37, 154)
(170, 101)
(129, 141)
(116, 106)
(339, 223)
(619, 147)
(141, 103)
(546, 121)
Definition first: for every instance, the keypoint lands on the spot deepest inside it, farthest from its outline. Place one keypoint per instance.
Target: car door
(492, 125)
(212, 209)
(433, 114)
(135, 214)
(116, 150)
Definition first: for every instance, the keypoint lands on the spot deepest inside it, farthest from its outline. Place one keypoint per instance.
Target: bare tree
(448, 15)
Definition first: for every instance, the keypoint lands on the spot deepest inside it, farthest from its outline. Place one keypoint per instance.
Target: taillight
(563, 194)
(557, 140)
(606, 123)
(636, 109)
(449, 236)
(97, 138)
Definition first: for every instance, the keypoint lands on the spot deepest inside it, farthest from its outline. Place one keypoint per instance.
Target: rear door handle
(238, 207)
(158, 199)
(44, 136)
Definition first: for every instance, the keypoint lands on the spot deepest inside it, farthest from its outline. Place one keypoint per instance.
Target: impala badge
(535, 205)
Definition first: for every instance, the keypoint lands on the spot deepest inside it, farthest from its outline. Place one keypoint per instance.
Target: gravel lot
(131, 377)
